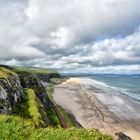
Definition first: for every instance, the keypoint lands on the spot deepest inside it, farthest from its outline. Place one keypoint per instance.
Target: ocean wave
(118, 100)
(112, 89)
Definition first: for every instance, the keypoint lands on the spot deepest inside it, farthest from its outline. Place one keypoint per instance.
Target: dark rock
(30, 80)
(122, 136)
(46, 77)
(10, 93)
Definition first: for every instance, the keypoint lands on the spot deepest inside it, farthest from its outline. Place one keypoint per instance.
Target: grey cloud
(109, 52)
(64, 34)
(86, 19)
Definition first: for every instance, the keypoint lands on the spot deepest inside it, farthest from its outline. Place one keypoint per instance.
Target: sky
(85, 35)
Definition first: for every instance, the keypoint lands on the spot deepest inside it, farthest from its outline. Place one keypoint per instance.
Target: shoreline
(89, 111)
(123, 107)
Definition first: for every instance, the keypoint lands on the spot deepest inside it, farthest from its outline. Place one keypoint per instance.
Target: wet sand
(90, 112)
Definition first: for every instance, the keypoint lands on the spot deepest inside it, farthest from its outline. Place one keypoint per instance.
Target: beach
(90, 110)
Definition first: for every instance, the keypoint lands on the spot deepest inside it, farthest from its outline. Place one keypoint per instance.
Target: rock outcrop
(46, 77)
(122, 136)
(12, 85)
(10, 90)
(30, 80)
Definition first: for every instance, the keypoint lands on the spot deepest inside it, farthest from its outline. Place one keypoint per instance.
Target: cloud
(113, 51)
(86, 19)
(70, 34)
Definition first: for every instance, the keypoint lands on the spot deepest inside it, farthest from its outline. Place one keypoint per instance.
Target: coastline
(89, 111)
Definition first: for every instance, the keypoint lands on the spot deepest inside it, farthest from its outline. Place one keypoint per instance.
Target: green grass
(70, 121)
(5, 73)
(56, 81)
(53, 118)
(33, 108)
(14, 129)
(8, 118)
(35, 70)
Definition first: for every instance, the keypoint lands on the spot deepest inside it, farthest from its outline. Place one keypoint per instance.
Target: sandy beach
(74, 96)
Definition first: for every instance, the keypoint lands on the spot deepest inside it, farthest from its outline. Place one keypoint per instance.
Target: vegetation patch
(53, 118)
(33, 108)
(5, 73)
(56, 81)
(21, 107)
(35, 70)
(9, 118)
(18, 130)
(67, 117)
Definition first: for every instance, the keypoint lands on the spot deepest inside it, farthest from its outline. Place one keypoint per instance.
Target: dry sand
(90, 112)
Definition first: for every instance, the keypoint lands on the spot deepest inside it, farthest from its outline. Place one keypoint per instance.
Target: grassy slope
(35, 70)
(13, 128)
(5, 73)
(33, 108)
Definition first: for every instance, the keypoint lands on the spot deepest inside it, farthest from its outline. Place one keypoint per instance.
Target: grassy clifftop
(5, 73)
(35, 70)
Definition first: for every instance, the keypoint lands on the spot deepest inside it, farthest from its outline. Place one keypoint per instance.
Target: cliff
(26, 107)
(10, 90)
(21, 89)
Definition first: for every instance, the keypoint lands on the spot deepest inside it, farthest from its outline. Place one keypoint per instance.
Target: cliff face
(30, 80)
(10, 90)
(15, 100)
(47, 77)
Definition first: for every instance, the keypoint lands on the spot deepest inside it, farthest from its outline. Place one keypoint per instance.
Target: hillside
(27, 109)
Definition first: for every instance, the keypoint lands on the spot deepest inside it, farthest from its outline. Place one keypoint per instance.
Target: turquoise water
(128, 85)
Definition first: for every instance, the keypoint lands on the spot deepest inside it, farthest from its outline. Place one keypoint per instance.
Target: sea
(120, 93)
(127, 85)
